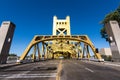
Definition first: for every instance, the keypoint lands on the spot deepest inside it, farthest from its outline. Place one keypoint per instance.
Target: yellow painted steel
(61, 43)
(39, 56)
(34, 53)
(79, 38)
(86, 48)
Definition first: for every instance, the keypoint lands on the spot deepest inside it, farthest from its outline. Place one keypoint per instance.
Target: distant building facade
(106, 51)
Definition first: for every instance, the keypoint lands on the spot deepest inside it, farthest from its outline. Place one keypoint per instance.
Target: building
(105, 51)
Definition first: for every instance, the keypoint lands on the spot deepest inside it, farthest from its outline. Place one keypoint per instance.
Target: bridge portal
(60, 44)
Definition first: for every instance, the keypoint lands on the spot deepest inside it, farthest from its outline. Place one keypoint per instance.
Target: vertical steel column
(34, 53)
(80, 51)
(46, 53)
(88, 53)
(78, 48)
(38, 51)
(84, 49)
(43, 49)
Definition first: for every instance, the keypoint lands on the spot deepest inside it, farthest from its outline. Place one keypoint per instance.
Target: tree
(107, 58)
(115, 15)
(103, 33)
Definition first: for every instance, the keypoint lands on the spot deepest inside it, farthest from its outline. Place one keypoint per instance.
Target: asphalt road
(45, 70)
(82, 70)
(61, 70)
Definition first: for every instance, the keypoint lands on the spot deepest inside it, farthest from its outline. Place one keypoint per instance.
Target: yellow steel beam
(22, 57)
(80, 38)
(34, 53)
(43, 49)
(39, 56)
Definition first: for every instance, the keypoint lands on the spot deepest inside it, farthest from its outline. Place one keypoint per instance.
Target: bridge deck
(61, 70)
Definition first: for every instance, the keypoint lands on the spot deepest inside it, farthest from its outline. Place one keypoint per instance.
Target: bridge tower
(61, 43)
(61, 26)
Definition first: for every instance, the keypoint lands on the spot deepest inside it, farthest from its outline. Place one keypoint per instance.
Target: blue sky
(35, 17)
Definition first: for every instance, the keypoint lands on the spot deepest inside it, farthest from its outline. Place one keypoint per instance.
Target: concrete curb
(8, 66)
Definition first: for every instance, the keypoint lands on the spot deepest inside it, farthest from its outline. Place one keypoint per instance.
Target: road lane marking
(44, 75)
(53, 63)
(59, 70)
(16, 75)
(75, 63)
(89, 69)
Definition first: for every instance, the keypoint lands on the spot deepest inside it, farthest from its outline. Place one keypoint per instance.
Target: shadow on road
(35, 69)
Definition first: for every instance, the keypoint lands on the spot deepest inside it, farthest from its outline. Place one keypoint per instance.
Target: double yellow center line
(59, 70)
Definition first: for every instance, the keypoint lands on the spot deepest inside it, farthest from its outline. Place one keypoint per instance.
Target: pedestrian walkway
(7, 65)
(112, 63)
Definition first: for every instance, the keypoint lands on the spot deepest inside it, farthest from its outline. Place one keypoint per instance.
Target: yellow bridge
(61, 44)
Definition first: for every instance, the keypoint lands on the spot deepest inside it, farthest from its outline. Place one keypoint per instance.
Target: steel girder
(78, 38)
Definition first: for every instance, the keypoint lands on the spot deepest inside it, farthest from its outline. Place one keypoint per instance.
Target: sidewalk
(112, 63)
(107, 63)
(2, 66)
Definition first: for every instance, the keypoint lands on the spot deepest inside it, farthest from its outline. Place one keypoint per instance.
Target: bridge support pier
(113, 31)
(6, 34)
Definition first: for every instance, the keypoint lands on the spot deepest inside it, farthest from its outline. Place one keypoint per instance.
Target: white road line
(75, 63)
(16, 75)
(29, 75)
(53, 63)
(41, 74)
(89, 69)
